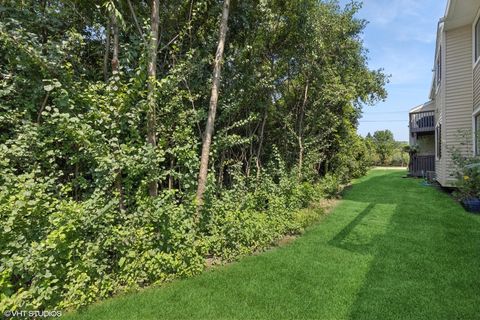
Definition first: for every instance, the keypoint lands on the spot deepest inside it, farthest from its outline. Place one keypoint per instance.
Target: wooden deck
(422, 121)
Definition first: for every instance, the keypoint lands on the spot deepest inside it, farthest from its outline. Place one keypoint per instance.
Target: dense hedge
(88, 136)
(65, 254)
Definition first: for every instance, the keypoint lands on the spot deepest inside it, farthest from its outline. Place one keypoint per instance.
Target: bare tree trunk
(44, 28)
(107, 50)
(207, 139)
(249, 157)
(113, 28)
(116, 43)
(260, 143)
(170, 176)
(115, 67)
(42, 107)
(132, 11)
(248, 154)
(300, 132)
(152, 76)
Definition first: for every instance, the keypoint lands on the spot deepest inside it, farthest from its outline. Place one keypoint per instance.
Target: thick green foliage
(76, 223)
(67, 254)
(385, 151)
(466, 169)
(244, 219)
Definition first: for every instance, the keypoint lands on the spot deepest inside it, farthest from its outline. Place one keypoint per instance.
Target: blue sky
(400, 38)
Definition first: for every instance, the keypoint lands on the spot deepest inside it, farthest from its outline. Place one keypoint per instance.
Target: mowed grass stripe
(392, 249)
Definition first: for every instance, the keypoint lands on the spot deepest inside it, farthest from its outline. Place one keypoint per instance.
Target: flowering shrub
(467, 175)
(468, 182)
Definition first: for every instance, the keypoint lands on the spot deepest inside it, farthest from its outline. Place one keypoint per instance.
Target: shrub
(59, 253)
(65, 254)
(330, 185)
(307, 217)
(468, 183)
(246, 218)
(467, 170)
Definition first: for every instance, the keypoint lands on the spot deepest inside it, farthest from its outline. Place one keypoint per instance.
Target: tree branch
(132, 11)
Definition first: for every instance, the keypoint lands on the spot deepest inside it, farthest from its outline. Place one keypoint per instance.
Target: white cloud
(419, 33)
(404, 20)
(384, 12)
(407, 66)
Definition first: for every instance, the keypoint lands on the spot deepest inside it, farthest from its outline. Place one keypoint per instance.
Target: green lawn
(392, 249)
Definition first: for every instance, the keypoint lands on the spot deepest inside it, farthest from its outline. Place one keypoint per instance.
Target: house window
(477, 135)
(438, 69)
(438, 137)
(477, 40)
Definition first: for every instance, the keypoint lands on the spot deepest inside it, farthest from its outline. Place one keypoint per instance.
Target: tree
(152, 80)
(207, 139)
(97, 111)
(384, 145)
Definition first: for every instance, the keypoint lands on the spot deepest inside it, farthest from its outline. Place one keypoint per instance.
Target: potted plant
(468, 187)
(412, 149)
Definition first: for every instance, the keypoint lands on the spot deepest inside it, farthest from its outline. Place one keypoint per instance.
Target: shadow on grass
(425, 264)
(341, 240)
(342, 235)
(392, 249)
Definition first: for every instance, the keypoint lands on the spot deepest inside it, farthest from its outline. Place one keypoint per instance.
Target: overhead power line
(406, 120)
(387, 112)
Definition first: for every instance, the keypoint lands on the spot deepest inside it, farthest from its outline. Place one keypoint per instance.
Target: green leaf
(48, 87)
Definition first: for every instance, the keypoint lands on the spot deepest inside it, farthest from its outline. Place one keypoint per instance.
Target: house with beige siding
(454, 95)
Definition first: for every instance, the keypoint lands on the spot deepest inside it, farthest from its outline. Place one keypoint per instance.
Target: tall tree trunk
(260, 143)
(300, 132)
(44, 5)
(152, 77)
(107, 50)
(116, 43)
(115, 67)
(42, 107)
(207, 139)
(170, 176)
(132, 11)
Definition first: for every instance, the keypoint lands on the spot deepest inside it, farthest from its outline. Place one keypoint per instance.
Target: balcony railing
(420, 165)
(422, 121)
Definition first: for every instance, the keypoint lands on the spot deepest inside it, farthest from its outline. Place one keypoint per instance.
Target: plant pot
(472, 205)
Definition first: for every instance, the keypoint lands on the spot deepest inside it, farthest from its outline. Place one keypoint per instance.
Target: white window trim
(474, 42)
(437, 140)
(436, 83)
(440, 47)
(439, 73)
(475, 113)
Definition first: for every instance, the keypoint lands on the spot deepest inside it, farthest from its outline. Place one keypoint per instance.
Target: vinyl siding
(440, 165)
(476, 86)
(458, 102)
(439, 115)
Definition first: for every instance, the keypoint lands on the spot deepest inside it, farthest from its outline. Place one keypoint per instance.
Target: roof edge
(423, 107)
